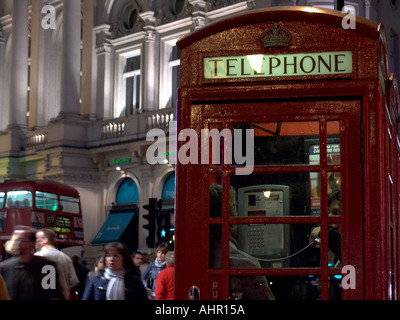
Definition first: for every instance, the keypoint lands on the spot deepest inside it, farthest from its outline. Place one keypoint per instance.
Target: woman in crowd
(120, 280)
(154, 268)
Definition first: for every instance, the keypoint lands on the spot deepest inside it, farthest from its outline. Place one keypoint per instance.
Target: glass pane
(333, 148)
(275, 287)
(215, 196)
(132, 64)
(315, 185)
(47, 201)
(137, 92)
(276, 194)
(19, 199)
(213, 140)
(215, 258)
(335, 287)
(273, 246)
(2, 195)
(69, 204)
(175, 53)
(334, 202)
(335, 245)
(281, 143)
(175, 84)
(129, 95)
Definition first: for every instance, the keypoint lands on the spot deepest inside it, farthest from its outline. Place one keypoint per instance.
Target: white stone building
(83, 81)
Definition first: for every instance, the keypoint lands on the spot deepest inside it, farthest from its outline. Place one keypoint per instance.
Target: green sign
(280, 65)
(124, 160)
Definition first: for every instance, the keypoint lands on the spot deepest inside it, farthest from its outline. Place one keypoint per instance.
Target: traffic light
(151, 217)
(163, 227)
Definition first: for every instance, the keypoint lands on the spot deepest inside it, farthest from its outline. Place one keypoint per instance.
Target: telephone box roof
(364, 26)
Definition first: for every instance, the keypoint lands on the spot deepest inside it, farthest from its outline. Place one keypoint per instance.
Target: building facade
(83, 82)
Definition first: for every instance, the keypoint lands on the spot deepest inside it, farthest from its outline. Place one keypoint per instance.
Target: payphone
(266, 240)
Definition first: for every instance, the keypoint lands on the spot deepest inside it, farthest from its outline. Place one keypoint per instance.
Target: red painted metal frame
(366, 242)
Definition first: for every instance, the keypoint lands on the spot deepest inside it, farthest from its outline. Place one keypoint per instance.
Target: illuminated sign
(280, 65)
(124, 160)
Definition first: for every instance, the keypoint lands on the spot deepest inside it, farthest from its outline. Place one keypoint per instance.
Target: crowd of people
(37, 270)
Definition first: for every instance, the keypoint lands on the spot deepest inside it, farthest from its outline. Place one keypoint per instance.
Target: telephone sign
(279, 65)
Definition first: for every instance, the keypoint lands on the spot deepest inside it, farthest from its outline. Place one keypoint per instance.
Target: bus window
(47, 201)
(19, 199)
(69, 204)
(2, 195)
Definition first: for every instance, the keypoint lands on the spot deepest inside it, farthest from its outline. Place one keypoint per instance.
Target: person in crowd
(3, 290)
(120, 280)
(10, 246)
(165, 280)
(30, 277)
(137, 258)
(98, 268)
(244, 288)
(154, 268)
(45, 248)
(81, 272)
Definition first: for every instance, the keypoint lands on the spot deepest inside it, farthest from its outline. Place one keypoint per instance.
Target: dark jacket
(153, 271)
(24, 281)
(97, 287)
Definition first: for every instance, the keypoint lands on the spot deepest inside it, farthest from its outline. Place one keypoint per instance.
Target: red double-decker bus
(41, 204)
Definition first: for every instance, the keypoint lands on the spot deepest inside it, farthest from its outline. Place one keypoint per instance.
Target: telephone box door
(272, 207)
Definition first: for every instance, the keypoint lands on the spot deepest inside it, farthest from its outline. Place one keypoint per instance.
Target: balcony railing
(35, 139)
(110, 131)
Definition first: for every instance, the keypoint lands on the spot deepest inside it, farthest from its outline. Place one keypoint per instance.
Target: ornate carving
(276, 37)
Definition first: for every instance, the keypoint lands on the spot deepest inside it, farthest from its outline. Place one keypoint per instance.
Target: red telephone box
(288, 153)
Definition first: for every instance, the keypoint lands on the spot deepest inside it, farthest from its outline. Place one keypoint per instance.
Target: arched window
(169, 188)
(128, 192)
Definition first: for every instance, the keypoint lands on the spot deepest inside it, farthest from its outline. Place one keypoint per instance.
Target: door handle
(194, 293)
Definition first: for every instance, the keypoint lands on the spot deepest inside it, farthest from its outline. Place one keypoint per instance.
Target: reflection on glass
(282, 287)
(315, 185)
(335, 287)
(333, 148)
(276, 194)
(334, 185)
(215, 245)
(274, 246)
(282, 143)
(214, 140)
(335, 245)
(215, 201)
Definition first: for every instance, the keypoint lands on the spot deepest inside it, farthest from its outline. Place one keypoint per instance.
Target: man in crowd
(29, 277)
(45, 247)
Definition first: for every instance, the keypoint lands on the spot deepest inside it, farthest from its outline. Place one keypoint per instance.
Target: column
(88, 61)
(102, 72)
(35, 31)
(71, 60)
(150, 64)
(19, 67)
(4, 80)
